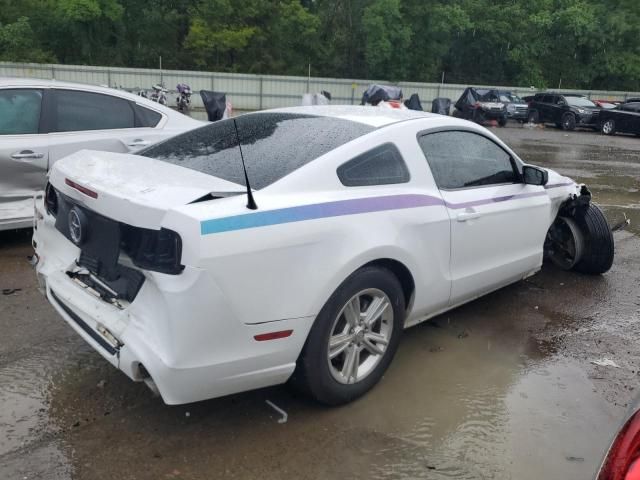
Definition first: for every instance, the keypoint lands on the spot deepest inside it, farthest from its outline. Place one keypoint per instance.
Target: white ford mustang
(361, 222)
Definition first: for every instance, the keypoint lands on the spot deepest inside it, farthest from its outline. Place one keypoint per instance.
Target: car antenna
(251, 203)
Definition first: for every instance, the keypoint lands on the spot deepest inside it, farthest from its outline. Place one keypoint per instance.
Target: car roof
(368, 115)
(42, 83)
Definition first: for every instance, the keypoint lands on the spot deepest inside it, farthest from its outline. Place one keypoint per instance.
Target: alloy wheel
(360, 335)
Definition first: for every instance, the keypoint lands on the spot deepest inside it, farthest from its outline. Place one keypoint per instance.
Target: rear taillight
(156, 250)
(81, 188)
(51, 199)
(623, 460)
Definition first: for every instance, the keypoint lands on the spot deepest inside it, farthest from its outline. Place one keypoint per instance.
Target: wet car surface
(503, 387)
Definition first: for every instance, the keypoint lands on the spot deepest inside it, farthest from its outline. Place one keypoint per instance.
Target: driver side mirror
(534, 175)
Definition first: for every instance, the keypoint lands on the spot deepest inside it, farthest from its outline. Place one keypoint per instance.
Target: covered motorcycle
(441, 106)
(381, 93)
(215, 103)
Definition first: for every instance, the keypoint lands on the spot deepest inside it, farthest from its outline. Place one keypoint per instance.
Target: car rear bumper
(178, 332)
(518, 115)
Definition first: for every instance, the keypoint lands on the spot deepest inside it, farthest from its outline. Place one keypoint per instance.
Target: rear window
(273, 144)
(146, 117)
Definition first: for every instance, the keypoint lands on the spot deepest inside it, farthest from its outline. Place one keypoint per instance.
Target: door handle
(26, 155)
(138, 142)
(467, 215)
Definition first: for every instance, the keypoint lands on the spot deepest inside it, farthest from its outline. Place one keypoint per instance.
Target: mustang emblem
(77, 226)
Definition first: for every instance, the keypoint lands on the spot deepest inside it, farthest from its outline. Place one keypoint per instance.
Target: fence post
(260, 108)
(108, 78)
(213, 75)
(353, 93)
(53, 72)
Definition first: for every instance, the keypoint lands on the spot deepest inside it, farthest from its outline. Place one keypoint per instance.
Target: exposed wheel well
(402, 273)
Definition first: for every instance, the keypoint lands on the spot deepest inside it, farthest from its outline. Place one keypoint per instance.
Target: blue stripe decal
(318, 210)
(343, 207)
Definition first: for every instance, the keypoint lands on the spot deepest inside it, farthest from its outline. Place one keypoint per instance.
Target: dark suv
(566, 111)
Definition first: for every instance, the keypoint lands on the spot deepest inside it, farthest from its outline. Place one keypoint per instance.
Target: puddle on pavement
(611, 173)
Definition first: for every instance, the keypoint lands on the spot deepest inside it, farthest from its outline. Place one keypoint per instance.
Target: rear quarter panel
(289, 267)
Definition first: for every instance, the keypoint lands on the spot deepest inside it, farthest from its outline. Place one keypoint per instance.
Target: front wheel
(353, 339)
(608, 127)
(599, 248)
(568, 121)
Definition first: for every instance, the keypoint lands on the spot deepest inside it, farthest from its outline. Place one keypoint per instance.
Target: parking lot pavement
(502, 388)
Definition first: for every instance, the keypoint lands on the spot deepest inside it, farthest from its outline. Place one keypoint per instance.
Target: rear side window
(464, 159)
(146, 117)
(547, 99)
(382, 165)
(78, 111)
(20, 111)
(273, 144)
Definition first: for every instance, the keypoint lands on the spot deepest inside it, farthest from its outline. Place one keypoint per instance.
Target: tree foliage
(545, 43)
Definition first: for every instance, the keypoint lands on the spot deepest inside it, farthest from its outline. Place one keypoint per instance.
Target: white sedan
(360, 222)
(42, 121)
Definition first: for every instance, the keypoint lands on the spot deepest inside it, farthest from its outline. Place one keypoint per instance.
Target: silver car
(42, 121)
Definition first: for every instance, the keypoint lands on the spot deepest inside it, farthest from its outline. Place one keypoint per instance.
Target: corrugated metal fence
(252, 92)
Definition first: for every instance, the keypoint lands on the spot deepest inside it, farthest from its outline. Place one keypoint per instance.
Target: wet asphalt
(503, 387)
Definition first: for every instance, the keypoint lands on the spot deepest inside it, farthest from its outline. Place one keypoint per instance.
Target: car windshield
(273, 144)
(579, 102)
(507, 97)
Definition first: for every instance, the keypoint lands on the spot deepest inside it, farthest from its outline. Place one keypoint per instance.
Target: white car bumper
(179, 328)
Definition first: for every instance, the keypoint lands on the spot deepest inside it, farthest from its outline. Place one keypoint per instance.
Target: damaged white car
(206, 269)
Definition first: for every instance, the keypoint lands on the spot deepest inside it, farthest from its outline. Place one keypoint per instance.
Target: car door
(96, 121)
(23, 154)
(628, 121)
(545, 108)
(498, 223)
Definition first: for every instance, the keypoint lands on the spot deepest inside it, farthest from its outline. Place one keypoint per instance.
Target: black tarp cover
(215, 103)
(381, 93)
(414, 103)
(472, 95)
(441, 106)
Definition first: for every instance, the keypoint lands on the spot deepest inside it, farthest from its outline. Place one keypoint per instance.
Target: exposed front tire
(353, 339)
(608, 127)
(568, 121)
(598, 241)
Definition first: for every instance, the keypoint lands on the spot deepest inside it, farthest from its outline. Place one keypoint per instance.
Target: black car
(566, 111)
(624, 118)
(479, 104)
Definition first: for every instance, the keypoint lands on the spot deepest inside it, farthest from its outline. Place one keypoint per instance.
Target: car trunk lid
(131, 189)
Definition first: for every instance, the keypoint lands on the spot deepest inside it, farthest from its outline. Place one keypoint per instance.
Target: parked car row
(564, 110)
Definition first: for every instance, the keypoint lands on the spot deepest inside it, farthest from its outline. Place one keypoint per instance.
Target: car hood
(133, 189)
(492, 104)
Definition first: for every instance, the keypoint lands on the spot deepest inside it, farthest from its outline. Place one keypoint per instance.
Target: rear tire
(324, 374)
(608, 127)
(598, 253)
(568, 122)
